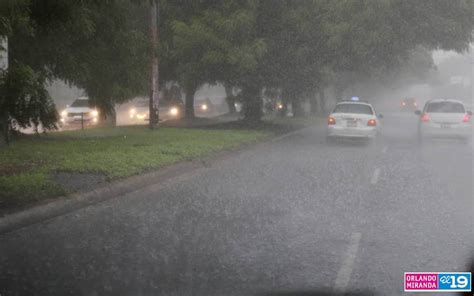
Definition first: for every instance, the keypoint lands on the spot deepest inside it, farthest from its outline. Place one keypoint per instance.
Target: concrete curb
(55, 208)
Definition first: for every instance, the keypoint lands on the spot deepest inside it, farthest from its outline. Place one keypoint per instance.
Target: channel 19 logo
(454, 281)
(438, 281)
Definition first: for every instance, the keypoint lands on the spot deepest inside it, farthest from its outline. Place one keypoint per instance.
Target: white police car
(353, 119)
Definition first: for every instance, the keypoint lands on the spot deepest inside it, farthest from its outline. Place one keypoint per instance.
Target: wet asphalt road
(294, 215)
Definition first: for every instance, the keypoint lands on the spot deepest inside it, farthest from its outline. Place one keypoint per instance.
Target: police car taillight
(425, 117)
(466, 118)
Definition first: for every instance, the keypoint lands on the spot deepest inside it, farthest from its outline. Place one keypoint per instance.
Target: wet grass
(27, 165)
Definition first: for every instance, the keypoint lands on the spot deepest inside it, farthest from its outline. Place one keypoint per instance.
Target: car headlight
(95, 113)
(174, 111)
(204, 107)
(64, 113)
(132, 111)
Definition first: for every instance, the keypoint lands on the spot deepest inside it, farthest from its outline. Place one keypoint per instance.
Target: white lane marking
(344, 274)
(375, 176)
(384, 149)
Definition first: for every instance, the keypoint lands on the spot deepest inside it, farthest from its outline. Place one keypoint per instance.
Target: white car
(444, 118)
(79, 112)
(353, 119)
(140, 110)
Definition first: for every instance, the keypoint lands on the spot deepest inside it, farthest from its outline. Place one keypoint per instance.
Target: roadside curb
(59, 207)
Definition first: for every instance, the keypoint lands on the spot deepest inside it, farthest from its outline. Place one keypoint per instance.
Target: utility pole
(154, 73)
(3, 53)
(4, 67)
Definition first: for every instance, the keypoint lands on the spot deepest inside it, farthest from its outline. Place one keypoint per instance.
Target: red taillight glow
(466, 118)
(403, 103)
(331, 120)
(372, 122)
(425, 117)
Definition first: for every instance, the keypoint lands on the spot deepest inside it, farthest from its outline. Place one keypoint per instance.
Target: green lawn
(27, 165)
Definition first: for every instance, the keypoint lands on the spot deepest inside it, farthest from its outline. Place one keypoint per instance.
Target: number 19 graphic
(455, 281)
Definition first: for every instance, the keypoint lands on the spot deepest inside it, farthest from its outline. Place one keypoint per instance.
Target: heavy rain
(258, 147)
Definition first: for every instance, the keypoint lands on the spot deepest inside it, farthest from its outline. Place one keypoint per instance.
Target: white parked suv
(80, 111)
(353, 119)
(444, 118)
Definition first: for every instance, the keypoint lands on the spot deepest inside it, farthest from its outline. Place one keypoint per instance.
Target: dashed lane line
(375, 176)
(344, 275)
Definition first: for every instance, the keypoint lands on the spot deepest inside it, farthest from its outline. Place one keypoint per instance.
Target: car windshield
(81, 103)
(353, 108)
(445, 107)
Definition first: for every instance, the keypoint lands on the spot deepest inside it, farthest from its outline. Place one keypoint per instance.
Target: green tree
(297, 58)
(100, 46)
(24, 101)
(215, 43)
(371, 37)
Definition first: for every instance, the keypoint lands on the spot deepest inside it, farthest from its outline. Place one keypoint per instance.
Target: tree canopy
(294, 47)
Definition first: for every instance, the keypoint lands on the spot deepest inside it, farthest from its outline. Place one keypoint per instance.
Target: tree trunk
(112, 118)
(189, 105)
(338, 92)
(296, 106)
(313, 103)
(230, 99)
(107, 115)
(253, 103)
(322, 102)
(6, 132)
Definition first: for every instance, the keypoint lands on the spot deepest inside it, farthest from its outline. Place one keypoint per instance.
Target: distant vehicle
(171, 109)
(353, 119)
(204, 106)
(280, 106)
(80, 112)
(238, 106)
(444, 118)
(139, 112)
(409, 104)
